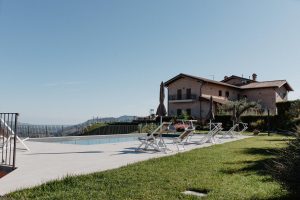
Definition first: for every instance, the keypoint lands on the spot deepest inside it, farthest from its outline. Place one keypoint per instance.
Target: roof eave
(167, 83)
(288, 87)
(179, 76)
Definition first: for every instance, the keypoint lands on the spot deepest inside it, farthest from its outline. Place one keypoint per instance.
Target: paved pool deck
(50, 161)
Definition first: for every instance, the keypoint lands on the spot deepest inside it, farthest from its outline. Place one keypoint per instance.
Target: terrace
(49, 160)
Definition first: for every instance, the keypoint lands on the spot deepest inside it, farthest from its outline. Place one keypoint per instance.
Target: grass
(94, 127)
(248, 133)
(229, 171)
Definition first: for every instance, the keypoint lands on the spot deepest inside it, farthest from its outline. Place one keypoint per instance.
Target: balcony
(185, 98)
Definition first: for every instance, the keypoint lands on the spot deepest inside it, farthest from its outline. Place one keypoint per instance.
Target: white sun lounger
(190, 126)
(245, 127)
(231, 133)
(210, 137)
(8, 134)
(183, 138)
(155, 139)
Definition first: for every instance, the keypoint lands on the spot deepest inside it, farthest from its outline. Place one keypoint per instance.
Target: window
(238, 96)
(189, 93)
(220, 93)
(189, 112)
(179, 112)
(179, 94)
(227, 94)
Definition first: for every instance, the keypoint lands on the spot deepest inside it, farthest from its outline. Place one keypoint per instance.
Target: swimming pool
(90, 140)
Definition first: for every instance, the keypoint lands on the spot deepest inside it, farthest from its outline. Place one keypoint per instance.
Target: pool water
(90, 140)
(93, 141)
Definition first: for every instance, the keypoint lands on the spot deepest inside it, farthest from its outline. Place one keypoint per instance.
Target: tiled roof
(264, 84)
(267, 84)
(198, 78)
(215, 99)
(233, 76)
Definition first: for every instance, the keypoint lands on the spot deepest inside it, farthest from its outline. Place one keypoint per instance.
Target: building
(191, 94)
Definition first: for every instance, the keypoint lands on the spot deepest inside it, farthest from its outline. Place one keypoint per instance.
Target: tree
(238, 108)
(293, 115)
(184, 116)
(295, 109)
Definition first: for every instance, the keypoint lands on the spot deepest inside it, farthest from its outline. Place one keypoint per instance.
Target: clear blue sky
(64, 61)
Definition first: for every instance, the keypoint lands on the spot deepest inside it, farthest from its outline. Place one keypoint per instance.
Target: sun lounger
(183, 138)
(155, 139)
(7, 134)
(187, 124)
(245, 127)
(231, 132)
(210, 137)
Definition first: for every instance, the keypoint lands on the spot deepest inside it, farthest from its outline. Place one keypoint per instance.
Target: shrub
(260, 122)
(287, 112)
(185, 116)
(93, 127)
(148, 128)
(258, 125)
(256, 132)
(286, 168)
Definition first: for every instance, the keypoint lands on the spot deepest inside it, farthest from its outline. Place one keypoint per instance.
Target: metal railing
(8, 139)
(114, 129)
(33, 131)
(183, 97)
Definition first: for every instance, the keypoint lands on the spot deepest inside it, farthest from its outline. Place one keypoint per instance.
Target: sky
(66, 61)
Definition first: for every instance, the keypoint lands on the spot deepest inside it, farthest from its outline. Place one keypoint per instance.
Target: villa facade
(191, 94)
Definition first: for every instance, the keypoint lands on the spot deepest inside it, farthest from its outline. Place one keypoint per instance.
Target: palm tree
(238, 108)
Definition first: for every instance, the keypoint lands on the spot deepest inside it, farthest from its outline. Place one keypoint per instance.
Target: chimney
(225, 77)
(254, 77)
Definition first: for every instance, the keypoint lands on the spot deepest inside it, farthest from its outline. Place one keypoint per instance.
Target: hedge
(114, 129)
(261, 122)
(283, 107)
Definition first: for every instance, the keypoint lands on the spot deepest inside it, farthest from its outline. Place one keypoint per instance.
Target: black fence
(114, 129)
(8, 139)
(36, 131)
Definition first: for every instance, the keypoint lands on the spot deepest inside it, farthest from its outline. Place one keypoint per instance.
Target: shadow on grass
(262, 167)
(257, 166)
(284, 197)
(283, 139)
(262, 151)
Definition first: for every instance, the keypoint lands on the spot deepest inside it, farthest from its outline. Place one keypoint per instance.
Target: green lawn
(230, 171)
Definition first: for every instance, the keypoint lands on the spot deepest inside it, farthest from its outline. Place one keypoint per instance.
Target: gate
(8, 139)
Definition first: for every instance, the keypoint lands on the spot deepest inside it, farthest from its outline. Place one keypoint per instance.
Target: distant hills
(31, 130)
(124, 118)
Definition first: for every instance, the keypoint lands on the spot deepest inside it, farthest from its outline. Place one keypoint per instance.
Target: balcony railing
(183, 97)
